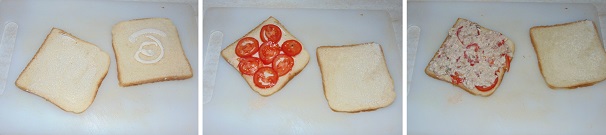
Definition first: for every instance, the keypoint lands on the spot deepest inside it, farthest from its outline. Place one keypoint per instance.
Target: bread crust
(36, 55)
(532, 40)
(151, 80)
(501, 73)
(268, 91)
(324, 79)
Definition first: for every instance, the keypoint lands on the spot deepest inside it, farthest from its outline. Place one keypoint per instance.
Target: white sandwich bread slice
(473, 58)
(355, 77)
(149, 50)
(570, 55)
(66, 71)
(300, 60)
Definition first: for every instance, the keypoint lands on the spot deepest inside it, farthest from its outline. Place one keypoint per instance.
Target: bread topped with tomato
(267, 57)
(473, 58)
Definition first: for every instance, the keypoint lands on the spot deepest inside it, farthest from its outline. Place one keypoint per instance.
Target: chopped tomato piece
(270, 32)
(487, 88)
(265, 77)
(247, 46)
(456, 79)
(283, 64)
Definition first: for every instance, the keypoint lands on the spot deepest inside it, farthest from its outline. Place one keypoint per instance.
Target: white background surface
(157, 108)
(393, 7)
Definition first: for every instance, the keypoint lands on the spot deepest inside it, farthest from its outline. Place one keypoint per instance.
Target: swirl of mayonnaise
(147, 52)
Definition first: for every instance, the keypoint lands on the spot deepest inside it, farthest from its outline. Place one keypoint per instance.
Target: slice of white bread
(570, 55)
(355, 77)
(300, 60)
(66, 71)
(474, 91)
(134, 40)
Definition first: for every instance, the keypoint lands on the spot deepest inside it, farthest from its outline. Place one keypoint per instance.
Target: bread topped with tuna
(473, 58)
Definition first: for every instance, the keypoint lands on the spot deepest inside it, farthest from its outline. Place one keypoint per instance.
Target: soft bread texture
(570, 55)
(355, 77)
(473, 91)
(301, 59)
(172, 66)
(66, 71)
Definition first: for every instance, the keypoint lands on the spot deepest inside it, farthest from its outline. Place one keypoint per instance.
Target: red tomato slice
(247, 46)
(487, 88)
(456, 79)
(249, 66)
(271, 32)
(507, 62)
(265, 78)
(268, 51)
(291, 47)
(501, 42)
(475, 46)
(283, 64)
(458, 31)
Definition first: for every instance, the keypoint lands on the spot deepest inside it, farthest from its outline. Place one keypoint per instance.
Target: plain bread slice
(355, 77)
(570, 55)
(66, 71)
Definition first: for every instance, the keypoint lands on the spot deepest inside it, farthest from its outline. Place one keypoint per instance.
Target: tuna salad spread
(472, 56)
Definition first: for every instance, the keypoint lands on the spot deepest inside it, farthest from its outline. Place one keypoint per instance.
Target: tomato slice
(291, 47)
(458, 31)
(265, 77)
(456, 79)
(500, 43)
(283, 64)
(271, 32)
(249, 66)
(507, 62)
(268, 51)
(247, 46)
(475, 46)
(487, 88)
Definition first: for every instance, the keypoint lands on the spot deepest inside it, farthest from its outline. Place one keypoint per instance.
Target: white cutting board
(300, 107)
(157, 108)
(523, 104)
